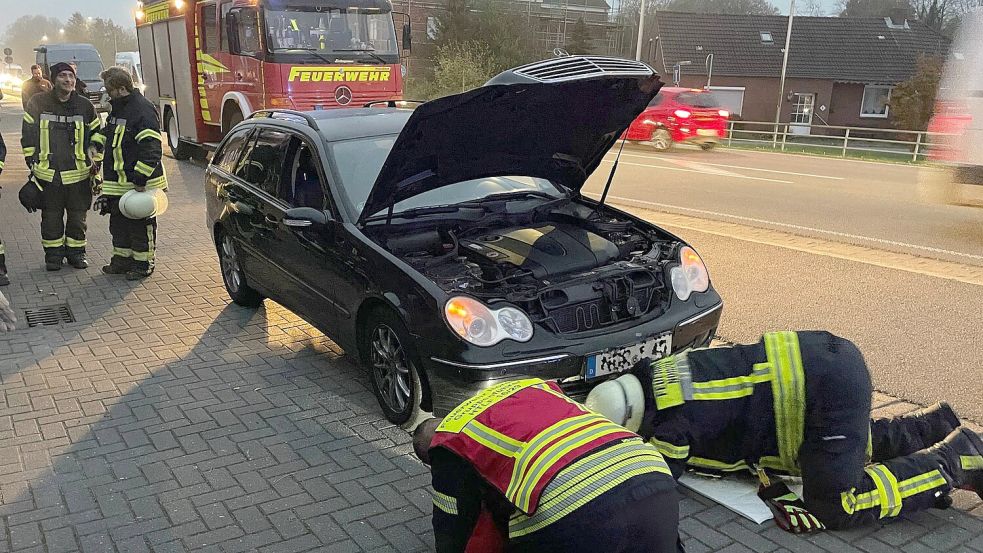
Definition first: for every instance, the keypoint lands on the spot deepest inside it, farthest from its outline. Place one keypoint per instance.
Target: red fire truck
(209, 64)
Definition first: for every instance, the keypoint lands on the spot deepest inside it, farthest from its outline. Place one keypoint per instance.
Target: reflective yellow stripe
(668, 377)
(118, 152)
(475, 405)
(444, 502)
(586, 480)
(149, 133)
(492, 439)
(541, 440)
(79, 141)
(99, 138)
(887, 490)
(46, 175)
(3, 249)
(293, 25)
(28, 118)
(143, 169)
(56, 243)
(29, 151)
(122, 252)
(1, 164)
(701, 462)
(669, 450)
(788, 388)
(73, 243)
(45, 147)
(72, 177)
(94, 125)
(922, 483)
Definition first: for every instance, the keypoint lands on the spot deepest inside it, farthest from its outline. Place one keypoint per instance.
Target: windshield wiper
(306, 49)
(418, 211)
(364, 51)
(517, 195)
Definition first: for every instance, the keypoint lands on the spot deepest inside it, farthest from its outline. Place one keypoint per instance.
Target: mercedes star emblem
(343, 95)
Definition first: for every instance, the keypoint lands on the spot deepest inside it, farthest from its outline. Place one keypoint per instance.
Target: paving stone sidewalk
(166, 419)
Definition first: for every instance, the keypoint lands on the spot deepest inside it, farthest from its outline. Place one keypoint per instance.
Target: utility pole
(781, 86)
(641, 30)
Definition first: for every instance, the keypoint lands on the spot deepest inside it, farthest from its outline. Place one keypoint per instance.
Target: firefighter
(130, 151)
(55, 135)
(4, 280)
(37, 84)
(522, 463)
(799, 403)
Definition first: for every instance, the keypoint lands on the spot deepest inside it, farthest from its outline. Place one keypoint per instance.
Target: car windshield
(332, 30)
(359, 162)
(698, 99)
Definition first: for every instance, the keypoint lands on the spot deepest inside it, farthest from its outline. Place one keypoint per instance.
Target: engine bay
(569, 267)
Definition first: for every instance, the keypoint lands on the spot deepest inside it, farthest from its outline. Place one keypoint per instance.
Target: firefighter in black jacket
(799, 403)
(3, 251)
(55, 135)
(130, 150)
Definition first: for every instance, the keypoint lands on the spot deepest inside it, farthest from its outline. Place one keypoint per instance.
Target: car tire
(180, 149)
(393, 369)
(707, 146)
(233, 275)
(662, 140)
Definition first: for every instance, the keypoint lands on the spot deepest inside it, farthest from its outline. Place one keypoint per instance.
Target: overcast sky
(120, 11)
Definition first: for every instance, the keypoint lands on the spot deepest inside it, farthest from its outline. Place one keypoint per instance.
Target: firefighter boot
(117, 266)
(53, 258)
(78, 260)
(935, 421)
(962, 452)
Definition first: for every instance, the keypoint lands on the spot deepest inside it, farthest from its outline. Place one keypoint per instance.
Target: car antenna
(614, 168)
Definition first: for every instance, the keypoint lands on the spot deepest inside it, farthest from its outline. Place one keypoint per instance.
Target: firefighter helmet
(31, 195)
(621, 400)
(140, 205)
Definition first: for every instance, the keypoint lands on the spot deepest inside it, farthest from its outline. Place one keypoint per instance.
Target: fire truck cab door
(212, 62)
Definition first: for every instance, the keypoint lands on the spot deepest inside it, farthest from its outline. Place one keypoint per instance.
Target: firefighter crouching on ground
(130, 150)
(799, 403)
(58, 126)
(521, 463)
(3, 251)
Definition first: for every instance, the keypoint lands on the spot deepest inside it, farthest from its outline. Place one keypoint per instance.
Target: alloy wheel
(230, 265)
(390, 368)
(661, 140)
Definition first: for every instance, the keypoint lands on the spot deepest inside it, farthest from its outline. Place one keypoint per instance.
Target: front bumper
(452, 382)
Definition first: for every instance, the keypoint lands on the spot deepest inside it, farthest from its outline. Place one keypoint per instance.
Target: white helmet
(621, 400)
(140, 205)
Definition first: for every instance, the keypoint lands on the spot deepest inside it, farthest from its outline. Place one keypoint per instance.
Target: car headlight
(482, 326)
(690, 275)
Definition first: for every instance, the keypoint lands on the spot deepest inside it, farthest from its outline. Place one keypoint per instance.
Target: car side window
(656, 101)
(228, 156)
(303, 186)
(263, 163)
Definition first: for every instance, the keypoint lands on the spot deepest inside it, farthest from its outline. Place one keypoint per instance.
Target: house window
(875, 102)
(766, 37)
(432, 28)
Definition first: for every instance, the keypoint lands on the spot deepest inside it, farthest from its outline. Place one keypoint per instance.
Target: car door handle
(271, 221)
(242, 208)
(238, 76)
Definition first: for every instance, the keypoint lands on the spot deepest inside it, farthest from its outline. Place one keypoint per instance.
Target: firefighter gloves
(789, 511)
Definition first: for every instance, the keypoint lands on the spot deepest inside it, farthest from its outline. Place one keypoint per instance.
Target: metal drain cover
(50, 315)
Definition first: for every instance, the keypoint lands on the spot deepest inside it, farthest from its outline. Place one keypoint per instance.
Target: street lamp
(641, 29)
(781, 86)
(61, 31)
(44, 38)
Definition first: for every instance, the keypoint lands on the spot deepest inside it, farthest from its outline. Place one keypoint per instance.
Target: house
(841, 70)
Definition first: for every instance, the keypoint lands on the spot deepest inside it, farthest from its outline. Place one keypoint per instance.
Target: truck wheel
(707, 146)
(233, 119)
(662, 140)
(180, 149)
(395, 373)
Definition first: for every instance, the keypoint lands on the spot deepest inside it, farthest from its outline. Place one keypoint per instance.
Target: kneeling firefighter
(799, 403)
(130, 149)
(522, 467)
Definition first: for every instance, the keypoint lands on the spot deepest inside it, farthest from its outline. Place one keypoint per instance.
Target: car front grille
(569, 68)
(597, 313)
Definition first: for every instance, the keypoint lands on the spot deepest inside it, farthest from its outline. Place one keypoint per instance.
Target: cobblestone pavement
(166, 419)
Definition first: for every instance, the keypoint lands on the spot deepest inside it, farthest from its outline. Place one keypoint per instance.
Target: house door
(802, 113)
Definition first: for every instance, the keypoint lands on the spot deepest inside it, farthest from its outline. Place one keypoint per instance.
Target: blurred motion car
(448, 260)
(678, 114)
(959, 114)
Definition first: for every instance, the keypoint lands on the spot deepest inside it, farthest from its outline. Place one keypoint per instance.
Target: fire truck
(209, 64)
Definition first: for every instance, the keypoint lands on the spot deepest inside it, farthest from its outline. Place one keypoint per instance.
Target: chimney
(898, 17)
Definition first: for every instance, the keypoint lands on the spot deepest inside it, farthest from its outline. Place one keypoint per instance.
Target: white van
(959, 111)
(131, 62)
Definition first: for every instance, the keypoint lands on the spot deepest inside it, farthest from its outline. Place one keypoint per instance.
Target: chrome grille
(569, 68)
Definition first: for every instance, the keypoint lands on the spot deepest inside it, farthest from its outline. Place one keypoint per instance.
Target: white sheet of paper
(738, 493)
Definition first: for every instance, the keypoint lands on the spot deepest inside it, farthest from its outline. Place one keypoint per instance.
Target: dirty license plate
(707, 132)
(621, 359)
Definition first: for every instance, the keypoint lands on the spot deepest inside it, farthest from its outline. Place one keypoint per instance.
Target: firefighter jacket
(130, 146)
(56, 135)
(539, 453)
(32, 87)
(731, 409)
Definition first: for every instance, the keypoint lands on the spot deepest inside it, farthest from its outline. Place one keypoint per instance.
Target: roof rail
(393, 103)
(289, 113)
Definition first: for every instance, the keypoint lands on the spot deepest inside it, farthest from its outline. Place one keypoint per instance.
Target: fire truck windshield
(332, 30)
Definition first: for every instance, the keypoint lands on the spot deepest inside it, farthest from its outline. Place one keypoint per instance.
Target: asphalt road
(918, 324)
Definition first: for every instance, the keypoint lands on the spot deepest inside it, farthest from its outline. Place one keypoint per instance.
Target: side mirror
(305, 217)
(407, 36)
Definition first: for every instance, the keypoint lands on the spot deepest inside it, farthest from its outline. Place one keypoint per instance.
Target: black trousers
(63, 223)
(134, 240)
(640, 515)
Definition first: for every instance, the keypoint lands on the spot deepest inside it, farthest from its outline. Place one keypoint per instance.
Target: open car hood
(554, 119)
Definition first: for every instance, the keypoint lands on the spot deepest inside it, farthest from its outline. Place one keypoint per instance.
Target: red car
(680, 115)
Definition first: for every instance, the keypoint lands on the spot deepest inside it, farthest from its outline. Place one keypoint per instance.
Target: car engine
(571, 269)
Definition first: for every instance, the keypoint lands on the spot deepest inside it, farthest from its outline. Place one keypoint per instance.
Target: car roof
(673, 90)
(342, 123)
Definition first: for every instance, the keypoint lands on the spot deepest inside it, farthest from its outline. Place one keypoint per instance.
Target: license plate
(619, 360)
(318, 107)
(706, 132)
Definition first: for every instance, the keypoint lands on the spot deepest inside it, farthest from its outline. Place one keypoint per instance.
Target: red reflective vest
(519, 434)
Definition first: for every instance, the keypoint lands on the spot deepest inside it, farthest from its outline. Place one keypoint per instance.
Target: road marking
(797, 227)
(701, 163)
(948, 270)
(704, 172)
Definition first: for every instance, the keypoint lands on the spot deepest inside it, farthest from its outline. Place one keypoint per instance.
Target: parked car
(680, 115)
(448, 260)
(958, 179)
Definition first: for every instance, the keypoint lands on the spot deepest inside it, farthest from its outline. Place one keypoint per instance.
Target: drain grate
(51, 315)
